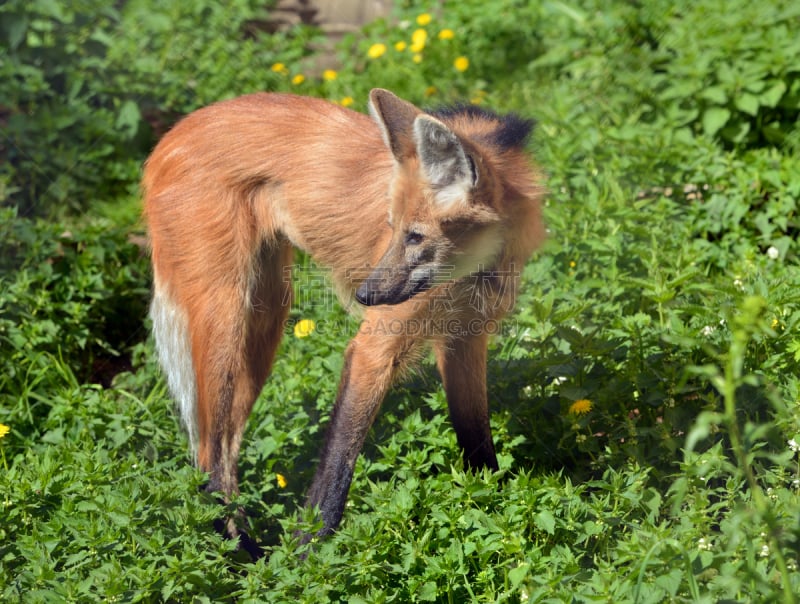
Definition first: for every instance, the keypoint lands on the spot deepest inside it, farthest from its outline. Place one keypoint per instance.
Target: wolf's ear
(445, 163)
(395, 117)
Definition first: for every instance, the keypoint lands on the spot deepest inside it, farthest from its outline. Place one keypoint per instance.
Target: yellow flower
(279, 68)
(329, 75)
(423, 19)
(580, 407)
(775, 323)
(304, 328)
(447, 34)
(418, 39)
(572, 264)
(417, 58)
(281, 480)
(346, 101)
(400, 46)
(298, 79)
(4, 430)
(376, 50)
(461, 64)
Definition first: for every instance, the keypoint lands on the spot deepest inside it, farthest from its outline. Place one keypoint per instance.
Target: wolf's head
(447, 196)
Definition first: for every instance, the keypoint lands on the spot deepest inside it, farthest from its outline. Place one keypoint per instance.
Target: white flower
(773, 253)
(738, 284)
(708, 330)
(764, 551)
(703, 544)
(794, 446)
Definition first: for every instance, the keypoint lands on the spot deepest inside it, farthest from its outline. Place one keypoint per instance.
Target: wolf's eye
(413, 238)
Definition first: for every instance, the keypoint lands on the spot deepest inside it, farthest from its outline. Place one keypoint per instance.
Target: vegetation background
(645, 394)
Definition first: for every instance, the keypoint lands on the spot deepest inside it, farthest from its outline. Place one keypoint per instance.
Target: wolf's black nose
(364, 295)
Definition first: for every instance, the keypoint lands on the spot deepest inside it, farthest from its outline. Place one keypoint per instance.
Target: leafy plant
(59, 119)
(72, 303)
(740, 79)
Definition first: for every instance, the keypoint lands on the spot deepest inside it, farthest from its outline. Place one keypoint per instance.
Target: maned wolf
(424, 219)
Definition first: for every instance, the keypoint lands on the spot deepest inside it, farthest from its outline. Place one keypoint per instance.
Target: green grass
(667, 295)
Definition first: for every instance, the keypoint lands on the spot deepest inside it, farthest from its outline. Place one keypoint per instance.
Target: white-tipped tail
(171, 331)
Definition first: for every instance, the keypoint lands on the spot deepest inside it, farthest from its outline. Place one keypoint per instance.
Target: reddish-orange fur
(235, 186)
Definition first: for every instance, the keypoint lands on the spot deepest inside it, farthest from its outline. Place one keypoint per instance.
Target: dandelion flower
(329, 75)
(298, 79)
(279, 68)
(304, 328)
(418, 40)
(400, 46)
(4, 430)
(346, 101)
(461, 64)
(447, 34)
(281, 480)
(423, 19)
(417, 58)
(580, 407)
(376, 50)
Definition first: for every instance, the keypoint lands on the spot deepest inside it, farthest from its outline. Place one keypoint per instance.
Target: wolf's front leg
(372, 360)
(462, 365)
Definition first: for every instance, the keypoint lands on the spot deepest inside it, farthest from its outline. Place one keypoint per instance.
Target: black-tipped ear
(445, 163)
(395, 117)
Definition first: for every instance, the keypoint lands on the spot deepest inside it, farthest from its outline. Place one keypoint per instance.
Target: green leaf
(128, 117)
(546, 521)
(714, 118)
(747, 102)
(16, 27)
(516, 575)
(773, 95)
(670, 581)
(736, 130)
(51, 8)
(428, 591)
(715, 94)
(702, 428)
